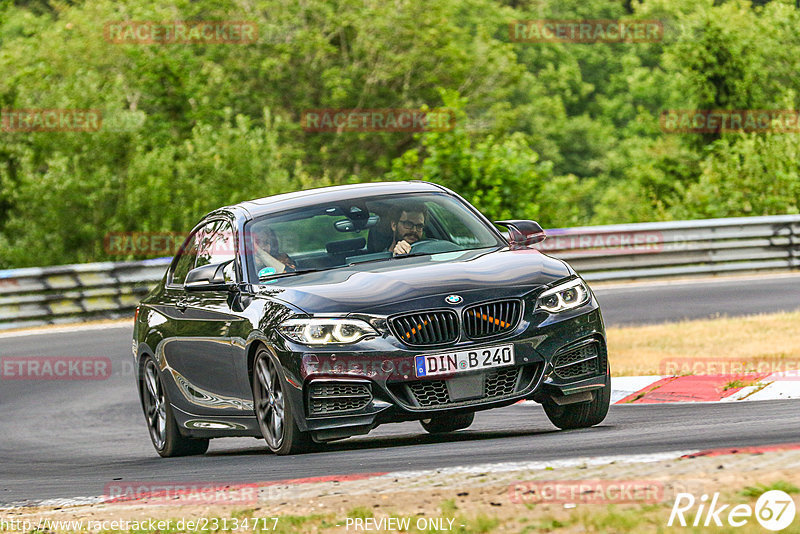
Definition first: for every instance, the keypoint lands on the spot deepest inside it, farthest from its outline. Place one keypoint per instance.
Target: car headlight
(326, 331)
(562, 297)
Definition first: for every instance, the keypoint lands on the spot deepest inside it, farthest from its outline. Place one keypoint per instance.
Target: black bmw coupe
(318, 315)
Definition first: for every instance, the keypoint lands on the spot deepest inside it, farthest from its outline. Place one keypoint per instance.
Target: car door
(172, 302)
(206, 360)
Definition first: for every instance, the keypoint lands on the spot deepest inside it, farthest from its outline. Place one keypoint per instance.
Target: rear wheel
(580, 414)
(164, 432)
(273, 411)
(448, 423)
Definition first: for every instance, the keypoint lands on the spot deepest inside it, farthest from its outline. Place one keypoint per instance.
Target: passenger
(267, 257)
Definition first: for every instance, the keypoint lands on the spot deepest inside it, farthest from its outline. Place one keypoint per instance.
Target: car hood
(401, 284)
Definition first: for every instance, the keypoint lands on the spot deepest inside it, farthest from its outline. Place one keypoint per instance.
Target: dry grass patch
(769, 340)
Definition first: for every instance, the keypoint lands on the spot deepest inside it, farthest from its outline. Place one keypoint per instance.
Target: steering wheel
(433, 246)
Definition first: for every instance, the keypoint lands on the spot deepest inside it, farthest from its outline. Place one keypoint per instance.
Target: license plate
(446, 363)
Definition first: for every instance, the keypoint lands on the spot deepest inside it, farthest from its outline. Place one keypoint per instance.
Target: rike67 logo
(774, 510)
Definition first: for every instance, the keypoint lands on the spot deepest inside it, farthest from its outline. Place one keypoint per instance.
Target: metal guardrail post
(793, 247)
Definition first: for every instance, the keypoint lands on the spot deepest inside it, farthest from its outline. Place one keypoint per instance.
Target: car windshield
(361, 230)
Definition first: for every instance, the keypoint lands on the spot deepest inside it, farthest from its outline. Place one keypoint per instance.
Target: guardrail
(678, 248)
(69, 293)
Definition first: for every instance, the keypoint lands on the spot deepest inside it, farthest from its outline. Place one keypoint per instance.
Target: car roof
(311, 197)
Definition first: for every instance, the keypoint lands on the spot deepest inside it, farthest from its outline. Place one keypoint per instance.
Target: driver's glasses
(408, 225)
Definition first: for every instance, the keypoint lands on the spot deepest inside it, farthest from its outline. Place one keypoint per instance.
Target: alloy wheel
(269, 402)
(155, 405)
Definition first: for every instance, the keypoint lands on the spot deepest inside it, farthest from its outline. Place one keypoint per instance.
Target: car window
(365, 229)
(310, 235)
(185, 263)
(455, 228)
(217, 245)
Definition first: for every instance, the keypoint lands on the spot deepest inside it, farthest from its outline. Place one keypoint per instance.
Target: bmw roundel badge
(453, 299)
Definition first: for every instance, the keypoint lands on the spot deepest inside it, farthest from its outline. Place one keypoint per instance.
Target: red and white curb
(704, 388)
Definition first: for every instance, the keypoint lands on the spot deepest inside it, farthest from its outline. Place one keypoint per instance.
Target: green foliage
(752, 174)
(448, 507)
(564, 133)
(360, 512)
(501, 175)
(757, 490)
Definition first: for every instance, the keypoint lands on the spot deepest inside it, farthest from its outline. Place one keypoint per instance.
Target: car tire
(447, 423)
(164, 432)
(274, 413)
(580, 414)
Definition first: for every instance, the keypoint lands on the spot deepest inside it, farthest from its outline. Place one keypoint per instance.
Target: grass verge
(759, 341)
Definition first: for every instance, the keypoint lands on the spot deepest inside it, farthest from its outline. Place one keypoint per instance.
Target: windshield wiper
(354, 263)
(414, 255)
(351, 264)
(288, 273)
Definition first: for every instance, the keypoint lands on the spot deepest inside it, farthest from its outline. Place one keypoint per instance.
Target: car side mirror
(523, 233)
(208, 278)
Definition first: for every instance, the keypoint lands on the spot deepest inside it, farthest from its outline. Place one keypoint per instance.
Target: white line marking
(633, 286)
(77, 327)
(543, 464)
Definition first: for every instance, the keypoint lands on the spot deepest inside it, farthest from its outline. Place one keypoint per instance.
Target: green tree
(502, 177)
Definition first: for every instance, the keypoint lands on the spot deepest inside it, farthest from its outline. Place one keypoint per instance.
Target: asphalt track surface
(65, 439)
(658, 302)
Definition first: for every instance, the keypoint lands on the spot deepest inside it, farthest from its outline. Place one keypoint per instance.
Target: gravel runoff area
(623, 494)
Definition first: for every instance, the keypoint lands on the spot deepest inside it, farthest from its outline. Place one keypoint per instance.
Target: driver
(408, 223)
(267, 255)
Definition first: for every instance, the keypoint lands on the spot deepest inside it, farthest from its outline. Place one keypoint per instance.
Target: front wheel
(273, 411)
(580, 414)
(448, 423)
(164, 432)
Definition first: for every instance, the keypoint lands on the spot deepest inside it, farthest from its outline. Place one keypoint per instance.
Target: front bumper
(341, 394)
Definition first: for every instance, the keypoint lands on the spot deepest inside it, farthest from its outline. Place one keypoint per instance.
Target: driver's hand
(402, 247)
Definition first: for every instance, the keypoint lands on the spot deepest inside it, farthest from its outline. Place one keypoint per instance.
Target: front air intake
(428, 328)
(492, 318)
(330, 398)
